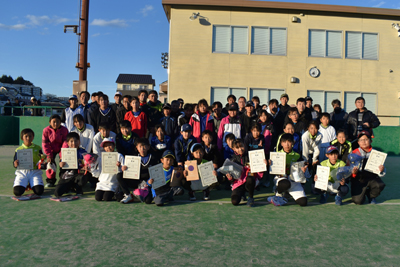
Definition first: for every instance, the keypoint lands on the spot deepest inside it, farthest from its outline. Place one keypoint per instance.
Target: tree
(6, 79)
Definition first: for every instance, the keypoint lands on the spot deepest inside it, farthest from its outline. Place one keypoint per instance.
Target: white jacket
(86, 137)
(311, 145)
(328, 135)
(97, 149)
(107, 181)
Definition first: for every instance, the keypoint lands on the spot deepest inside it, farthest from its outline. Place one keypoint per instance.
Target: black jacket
(212, 154)
(250, 143)
(242, 160)
(98, 117)
(247, 122)
(126, 147)
(338, 119)
(353, 127)
(344, 149)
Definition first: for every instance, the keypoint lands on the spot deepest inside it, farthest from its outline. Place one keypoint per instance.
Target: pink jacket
(52, 140)
(268, 139)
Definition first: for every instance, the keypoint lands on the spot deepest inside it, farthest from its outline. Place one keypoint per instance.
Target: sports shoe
(277, 201)
(49, 185)
(192, 197)
(206, 194)
(322, 199)
(244, 198)
(127, 199)
(250, 202)
(373, 201)
(338, 200)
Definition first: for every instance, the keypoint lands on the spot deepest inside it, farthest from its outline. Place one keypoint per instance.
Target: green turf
(89, 233)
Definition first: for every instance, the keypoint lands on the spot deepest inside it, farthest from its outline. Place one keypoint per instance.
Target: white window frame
(361, 94)
(362, 45)
(326, 36)
(324, 95)
(230, 39)
(268, 90)
(270, 44)
(124, 86)
(229, 93)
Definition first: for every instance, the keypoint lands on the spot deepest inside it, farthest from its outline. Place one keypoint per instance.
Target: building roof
(301, 7)
(136, 78)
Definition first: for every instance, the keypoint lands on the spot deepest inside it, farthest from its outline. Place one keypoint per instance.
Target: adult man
(7, 108)
(93, 107)
(241, 105)
(278, 119)
(360, 119)
(36, 103)
(338, 116)
(104, 114)
(304, 114)
(283, 106)
(67, 117)
(84, 98)
(248, 118)
(153, 110)
(117, 104)
(17, 108)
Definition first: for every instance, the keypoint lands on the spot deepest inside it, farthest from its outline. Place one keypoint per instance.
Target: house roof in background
(136, 78)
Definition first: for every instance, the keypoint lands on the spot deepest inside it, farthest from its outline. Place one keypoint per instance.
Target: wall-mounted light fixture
(293, 80)
(295, 19)
(194, 16)
(397, 27)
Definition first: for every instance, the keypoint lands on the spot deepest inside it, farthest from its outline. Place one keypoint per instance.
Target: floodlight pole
(83, 44)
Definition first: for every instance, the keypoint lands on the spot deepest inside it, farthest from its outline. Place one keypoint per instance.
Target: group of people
(174, 133)
(16, 108)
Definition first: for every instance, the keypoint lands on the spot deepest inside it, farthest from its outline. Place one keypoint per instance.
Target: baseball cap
(364, 133)
(118, 93)
(73, 97)
(168, 153)
(249, 104)
(233, 106)
(284, 95)
(33, 98)
(330, 149)
(186, 127)
(166, 106)
(195, 147)
(107, 140)
(308, 98)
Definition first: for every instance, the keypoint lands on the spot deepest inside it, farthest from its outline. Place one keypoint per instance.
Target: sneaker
(322, 199)
(244, 198)
(277, 201)
(192, 197)
(338, 200)
(127, 199)
(250, 202)
(49, 185)
(206, 194)
(373, 201)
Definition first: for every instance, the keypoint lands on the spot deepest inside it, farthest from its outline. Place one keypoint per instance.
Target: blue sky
(125, 36)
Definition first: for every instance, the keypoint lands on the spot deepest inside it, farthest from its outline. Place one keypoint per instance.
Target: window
(268, 41)
(126, 87)
(266, 95)
(142, 87)
(221, 93)
(324, 99)
(361, 45)
(322, 43)
(350, 99)
(230, 39)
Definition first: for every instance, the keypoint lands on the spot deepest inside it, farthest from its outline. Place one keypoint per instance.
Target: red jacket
(52, 140)
(195, 123)
(139, 123)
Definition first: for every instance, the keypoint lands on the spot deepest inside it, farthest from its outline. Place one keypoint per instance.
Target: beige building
(131, 84)
(258, 48)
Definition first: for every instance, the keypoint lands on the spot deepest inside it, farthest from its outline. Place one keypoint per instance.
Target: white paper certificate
(70, 157)
(278, 163)
(206, 174)
(156, 173)
(323, 177)
(374, 161)
(109, 162)
(133, 164)
(25, 159)
(257, 163)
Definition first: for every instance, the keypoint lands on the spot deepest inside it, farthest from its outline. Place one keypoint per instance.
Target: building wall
(194, 69)
(134, 86)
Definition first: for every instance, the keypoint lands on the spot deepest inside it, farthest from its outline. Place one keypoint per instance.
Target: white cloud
(380, 4)
(41, 20)
(109, 23)
(95, 35)
(12, 27)
(147, 8)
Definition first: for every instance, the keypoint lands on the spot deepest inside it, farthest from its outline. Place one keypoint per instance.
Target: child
(160, 142)
(229, 124)
(267, 129)
(104, 132)
(246, 182)
(147, 160)
(299, 126)
(216, 109)
(328, 135)
(69, 113)
(343, 145)
(311, 142)
(257, 107)
(137, 118)
(183, 143)
(228, 149)
(339, 188)
(72, 178)
(282, 183)
(248, 118)
(108, 183)
(365, 183)
(85, 131)
(175, 111)
(211, 152)
(164, 193)
(201, 120)
(289, 128)
(126, 139)
(52, 140)
(254, 140)
(197, 152)
(169, 123)
(186, 116)
(25, 178)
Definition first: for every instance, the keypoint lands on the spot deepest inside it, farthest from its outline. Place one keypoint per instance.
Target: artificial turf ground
(89, 233)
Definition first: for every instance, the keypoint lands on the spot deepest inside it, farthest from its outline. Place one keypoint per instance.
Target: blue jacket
(182, 148)
(126, 147)
(165, 188)
(228, 152)
(159, 147)
(170, 126)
